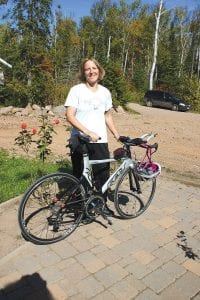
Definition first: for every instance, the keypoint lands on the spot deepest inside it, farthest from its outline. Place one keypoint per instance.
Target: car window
(154, 94)
(158, 95)
(168, 96)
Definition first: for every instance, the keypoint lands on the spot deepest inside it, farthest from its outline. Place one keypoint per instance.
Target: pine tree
(31, 18)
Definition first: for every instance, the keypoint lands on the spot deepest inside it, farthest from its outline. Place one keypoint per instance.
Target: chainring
(94, 206)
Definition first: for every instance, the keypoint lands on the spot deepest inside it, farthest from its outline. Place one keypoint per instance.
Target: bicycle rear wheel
(133, 194)
(51, 209)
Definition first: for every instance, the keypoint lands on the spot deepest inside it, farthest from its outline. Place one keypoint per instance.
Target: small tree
(45, 137)
(24, 139)
(117, 84)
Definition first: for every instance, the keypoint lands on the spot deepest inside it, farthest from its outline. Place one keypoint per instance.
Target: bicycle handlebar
(85, 138)
(141, 141)
(131, 142)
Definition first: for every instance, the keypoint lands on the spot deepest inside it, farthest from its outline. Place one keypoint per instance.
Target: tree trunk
(83, 49)
(155, 46)
(125, 63)
(183, 47)
(108, 52)
(5, 63)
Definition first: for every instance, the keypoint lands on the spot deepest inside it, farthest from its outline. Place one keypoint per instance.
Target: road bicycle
(54, 206)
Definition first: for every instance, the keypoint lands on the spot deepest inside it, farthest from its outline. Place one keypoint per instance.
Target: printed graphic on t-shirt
(92, 103)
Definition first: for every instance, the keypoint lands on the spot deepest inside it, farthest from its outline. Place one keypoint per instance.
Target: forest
(140, 46)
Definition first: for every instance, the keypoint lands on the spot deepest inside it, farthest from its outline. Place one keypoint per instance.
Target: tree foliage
(45, 52)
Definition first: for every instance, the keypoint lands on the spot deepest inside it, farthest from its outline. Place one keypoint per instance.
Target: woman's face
(91, 72)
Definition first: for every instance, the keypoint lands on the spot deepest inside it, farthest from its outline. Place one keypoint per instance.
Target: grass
(18, 173)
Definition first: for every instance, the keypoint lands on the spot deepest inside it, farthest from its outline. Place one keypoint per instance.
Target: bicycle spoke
(133, 194)
(49, 211)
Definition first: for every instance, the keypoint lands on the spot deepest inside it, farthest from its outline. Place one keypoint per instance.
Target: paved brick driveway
(155, 256)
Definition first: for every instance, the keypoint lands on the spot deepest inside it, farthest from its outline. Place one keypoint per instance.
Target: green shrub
(61, 91)
(14, 93)
(117, 84)
(41, 90)
(189, 89)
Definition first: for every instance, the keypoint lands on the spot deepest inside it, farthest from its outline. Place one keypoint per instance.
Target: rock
(17, 109)
(120, 109)
(29, 107)
(34, 110)
(48, 108)
(36, 107)
(25, 112)
(18, 114)
(51, 113)
(59, 110)
(6, 110)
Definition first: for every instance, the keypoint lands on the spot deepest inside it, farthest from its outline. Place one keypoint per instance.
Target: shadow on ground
(28, 287)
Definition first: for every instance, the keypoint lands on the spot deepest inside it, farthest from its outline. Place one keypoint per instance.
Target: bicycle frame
(127, 163)
(87, 171)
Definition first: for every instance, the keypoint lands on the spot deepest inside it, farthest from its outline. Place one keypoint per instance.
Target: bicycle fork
(134, 187)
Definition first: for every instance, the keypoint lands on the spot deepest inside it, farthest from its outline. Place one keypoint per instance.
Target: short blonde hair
(82, 69)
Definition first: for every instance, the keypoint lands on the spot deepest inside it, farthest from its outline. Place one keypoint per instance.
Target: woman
(88, 110)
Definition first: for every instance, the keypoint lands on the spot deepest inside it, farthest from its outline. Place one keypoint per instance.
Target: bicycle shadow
(28, 287)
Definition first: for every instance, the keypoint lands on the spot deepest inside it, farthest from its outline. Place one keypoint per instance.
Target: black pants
(100, 171)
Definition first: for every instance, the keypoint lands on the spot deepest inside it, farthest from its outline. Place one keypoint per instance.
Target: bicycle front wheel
(51, 209)
(133, 194)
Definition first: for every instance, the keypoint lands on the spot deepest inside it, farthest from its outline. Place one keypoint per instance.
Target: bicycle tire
(51, 209)
(132, 202)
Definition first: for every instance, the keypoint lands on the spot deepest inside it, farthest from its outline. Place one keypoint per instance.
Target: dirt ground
(178, 136)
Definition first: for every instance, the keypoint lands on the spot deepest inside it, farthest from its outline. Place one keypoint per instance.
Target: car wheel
(174, 107)
(149, 103)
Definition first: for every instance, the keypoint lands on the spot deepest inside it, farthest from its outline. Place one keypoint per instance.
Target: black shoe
(108, 212)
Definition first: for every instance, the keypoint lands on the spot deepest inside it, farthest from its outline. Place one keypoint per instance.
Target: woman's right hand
(94, 137)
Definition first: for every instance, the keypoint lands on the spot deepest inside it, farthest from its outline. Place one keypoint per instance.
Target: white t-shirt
(90, 108)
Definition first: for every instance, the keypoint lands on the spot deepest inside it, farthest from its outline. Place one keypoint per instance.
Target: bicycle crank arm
(106, 218)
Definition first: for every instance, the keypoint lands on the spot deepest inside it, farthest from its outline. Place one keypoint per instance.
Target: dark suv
(165, 100)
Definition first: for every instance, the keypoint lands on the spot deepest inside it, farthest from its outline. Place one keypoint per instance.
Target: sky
(79, 8)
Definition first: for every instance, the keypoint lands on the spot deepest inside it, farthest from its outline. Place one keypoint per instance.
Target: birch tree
(108, 51)
(183, 26)
(195, 44)
(5, 63)
(99, 11)
(155, 47)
